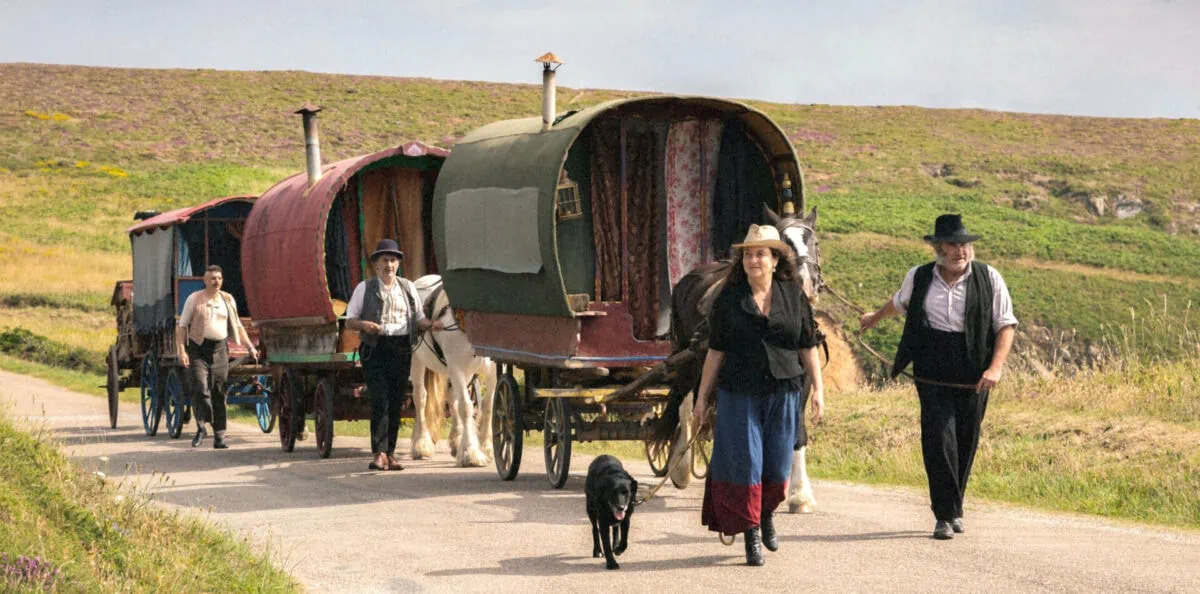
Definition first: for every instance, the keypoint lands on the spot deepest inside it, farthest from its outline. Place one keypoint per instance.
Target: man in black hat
(958, 330)
(386, 312)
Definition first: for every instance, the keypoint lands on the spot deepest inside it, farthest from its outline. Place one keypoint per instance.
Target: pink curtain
(691, 168)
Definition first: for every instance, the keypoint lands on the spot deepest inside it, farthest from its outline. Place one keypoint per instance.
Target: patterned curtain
(644, 163)
(606, 208)
(692, 149)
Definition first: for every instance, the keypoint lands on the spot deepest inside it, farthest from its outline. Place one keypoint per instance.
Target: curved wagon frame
(170, 252)
(551, 242)
(306, 248)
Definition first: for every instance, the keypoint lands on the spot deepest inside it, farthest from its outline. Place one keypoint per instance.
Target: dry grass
(28, 267)
(94, 331)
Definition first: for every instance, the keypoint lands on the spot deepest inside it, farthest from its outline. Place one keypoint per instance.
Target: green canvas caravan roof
(499, 229)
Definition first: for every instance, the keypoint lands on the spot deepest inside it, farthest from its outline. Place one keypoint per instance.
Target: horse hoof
(422, 449)
(474, 458)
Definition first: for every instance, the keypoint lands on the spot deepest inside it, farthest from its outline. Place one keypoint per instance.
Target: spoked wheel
(265, 410)
(173, 397)
(151, 399)
(323, 415)
(113, 384)
(557, 441)
(658, 453)
(508, 434)
(288, 398)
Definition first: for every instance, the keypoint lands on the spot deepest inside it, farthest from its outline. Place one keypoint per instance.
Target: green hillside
(1089, 218)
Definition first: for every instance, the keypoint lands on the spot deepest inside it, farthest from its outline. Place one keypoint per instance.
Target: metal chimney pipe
(550, 64)
(548, 97)
(312, 142)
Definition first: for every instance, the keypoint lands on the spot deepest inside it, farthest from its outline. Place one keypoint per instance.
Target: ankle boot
(754, 555)
(769, 539)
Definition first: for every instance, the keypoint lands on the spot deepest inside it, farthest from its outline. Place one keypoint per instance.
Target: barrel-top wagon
(560, 238)
(170, 253)
(306, 247)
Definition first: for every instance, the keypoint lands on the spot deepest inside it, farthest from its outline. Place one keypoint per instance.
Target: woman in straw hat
(763, 341)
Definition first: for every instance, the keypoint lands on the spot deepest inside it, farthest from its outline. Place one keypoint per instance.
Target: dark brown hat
(387, 246)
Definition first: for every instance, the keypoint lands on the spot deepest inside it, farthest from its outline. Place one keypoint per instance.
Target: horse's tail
(435, 394)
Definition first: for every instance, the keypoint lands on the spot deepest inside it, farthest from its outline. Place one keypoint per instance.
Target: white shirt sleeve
(354, 308)
(904, 295)
(189, 305)
(1002, 307)
(411, 287)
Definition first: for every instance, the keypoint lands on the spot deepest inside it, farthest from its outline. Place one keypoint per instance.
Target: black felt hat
(387, 246)
(949, 229)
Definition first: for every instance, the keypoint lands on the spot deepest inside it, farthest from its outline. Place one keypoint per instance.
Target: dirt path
(436, 527)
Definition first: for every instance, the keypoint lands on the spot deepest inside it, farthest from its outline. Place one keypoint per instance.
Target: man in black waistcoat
(958, 329)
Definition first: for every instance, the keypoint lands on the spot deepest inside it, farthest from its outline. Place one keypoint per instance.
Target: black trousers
(208, 370)
(386, 367)
(951, 419)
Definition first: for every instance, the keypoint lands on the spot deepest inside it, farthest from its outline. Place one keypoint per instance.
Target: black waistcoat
(372, 311)
(981, 337)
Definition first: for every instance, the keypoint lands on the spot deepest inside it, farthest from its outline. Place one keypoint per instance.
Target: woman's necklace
(763, 301)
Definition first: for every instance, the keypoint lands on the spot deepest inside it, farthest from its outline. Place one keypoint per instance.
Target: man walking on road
(958, 330)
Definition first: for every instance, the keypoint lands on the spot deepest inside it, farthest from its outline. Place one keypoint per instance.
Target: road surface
(434, 527)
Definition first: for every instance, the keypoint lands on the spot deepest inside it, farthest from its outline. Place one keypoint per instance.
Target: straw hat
(763, 236)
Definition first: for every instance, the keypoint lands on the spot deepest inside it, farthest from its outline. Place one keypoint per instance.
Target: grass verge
(101, 537)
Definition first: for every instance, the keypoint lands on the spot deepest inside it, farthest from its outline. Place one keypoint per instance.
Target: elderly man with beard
(958, 330)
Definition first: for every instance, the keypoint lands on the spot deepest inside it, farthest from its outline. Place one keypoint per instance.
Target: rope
(712, 414)
(859, 335)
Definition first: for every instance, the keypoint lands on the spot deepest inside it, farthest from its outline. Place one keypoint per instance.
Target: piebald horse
(449, 353)
(691, 300)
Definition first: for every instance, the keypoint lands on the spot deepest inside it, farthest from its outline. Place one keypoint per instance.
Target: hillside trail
(339, 528)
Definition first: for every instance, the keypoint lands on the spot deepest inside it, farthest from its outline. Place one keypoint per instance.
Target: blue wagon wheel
(174, 397)
(556, 434)
(508, 434)
(151, 401)
(265, 408)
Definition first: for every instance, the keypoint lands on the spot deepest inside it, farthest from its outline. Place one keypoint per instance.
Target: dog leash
(712, 414)
(861, 341)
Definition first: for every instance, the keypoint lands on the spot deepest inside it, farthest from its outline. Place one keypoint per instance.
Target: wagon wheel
(265, 408)
(113, 385)
(151, 400)
(658, 453)
(556, 435)
(508, 435)
(288, 400)
(173, 398)
(323, 415)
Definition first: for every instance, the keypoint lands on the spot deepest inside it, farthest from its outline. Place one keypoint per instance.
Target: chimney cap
(548, 58)
(307, 108)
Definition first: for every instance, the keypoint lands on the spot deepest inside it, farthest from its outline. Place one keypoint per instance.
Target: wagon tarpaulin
(153, 257)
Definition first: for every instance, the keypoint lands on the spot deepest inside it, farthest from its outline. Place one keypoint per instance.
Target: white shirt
(946, 305)
(394, 318)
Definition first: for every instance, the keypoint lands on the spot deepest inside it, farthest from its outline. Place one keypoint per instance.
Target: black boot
(754, 556)
(199, 439)
(770, 540)
(219, 442)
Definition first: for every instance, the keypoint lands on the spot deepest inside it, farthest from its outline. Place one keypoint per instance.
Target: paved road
(434, 527)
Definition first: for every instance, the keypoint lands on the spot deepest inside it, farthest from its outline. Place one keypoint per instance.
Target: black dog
(610, 495)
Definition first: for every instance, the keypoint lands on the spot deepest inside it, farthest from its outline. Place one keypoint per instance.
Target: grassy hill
(1089, 218)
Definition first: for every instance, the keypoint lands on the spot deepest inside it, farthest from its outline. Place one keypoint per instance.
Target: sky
(1120, 58)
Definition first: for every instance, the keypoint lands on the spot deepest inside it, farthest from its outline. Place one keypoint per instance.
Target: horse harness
(428, 338)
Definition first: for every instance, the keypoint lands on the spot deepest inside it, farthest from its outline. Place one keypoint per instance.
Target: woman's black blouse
(760, 351)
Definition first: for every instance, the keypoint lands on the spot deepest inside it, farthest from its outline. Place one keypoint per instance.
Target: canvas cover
(479, 220)
(153, 258)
